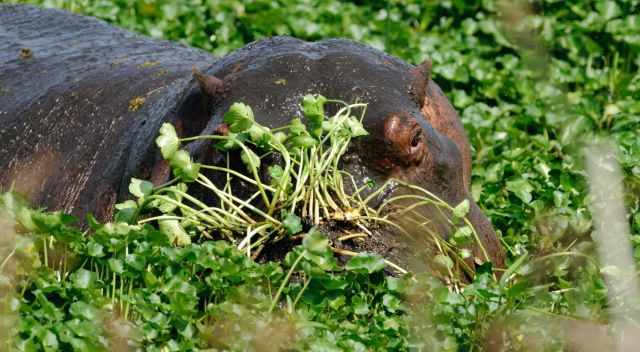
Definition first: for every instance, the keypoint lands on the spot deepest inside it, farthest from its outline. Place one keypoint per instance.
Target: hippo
(81, 103)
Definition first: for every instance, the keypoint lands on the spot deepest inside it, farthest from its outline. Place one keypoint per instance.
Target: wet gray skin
(74, 129)
(70, 139)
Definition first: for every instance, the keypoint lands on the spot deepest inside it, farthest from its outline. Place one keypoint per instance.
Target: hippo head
(415, 134)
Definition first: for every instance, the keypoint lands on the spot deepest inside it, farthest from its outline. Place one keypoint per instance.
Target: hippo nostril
(385, 164)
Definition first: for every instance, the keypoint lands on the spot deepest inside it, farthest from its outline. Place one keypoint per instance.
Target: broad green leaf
(543, 169)
(259, 134)
(521, 188)
(328, 125)
(118, 229)
(140, 188)
(608, 9)
(126, 211)
(366, 263)
(461, 210)
(391, 324)
(337, 303)
(83, 310)
(95, 249)
(232, 142)
(116, 265)
(292, 223)
(279, 137)
(250, 159)
(183, 167)
(301, 141)
(517, 289)
(360, 305)
(315, 242)
(275, 172)
(175, 232)
(50, 341)
(463, 235)
(173, 193)
(150, 279)
(135, 261)
(313, 109)
(167, 141)
(83, 278)
(355, 127)
(24, 217)
(319, 263)
(391, 302)
(239, 117)
(395, 284)
(296, 127)
(443, 261)
(313, 105)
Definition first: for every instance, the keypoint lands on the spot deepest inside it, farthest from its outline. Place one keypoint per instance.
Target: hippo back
(80, 103)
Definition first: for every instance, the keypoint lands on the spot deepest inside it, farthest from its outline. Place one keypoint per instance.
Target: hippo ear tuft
(209, 85)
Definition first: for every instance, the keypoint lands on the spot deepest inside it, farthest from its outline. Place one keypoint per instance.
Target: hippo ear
(209, 85)
(193, 109)
(421, 76)
(425, 68)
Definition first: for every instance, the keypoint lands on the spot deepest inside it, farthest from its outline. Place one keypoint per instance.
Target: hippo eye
(416, 150)
(417, 137)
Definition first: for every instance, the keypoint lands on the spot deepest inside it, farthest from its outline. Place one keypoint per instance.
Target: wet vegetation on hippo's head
(290, 178)
(414, 134)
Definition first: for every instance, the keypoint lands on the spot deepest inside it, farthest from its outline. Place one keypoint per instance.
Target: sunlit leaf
(175, 232)
(315, 242)
(461, 210)
(140, 188)
(313, 109)
(250, 159)
(366, 263)
(239, 117)
(292, 223)
(167, 141)
(521, 188)
(183, 167)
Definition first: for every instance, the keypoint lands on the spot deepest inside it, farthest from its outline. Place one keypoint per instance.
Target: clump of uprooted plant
(306, 183)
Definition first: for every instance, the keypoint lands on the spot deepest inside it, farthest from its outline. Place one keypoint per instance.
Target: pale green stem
(237, 174)
(231, 199)
(286, 280)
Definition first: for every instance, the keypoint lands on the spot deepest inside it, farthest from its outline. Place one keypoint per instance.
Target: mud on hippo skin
(415, 133)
